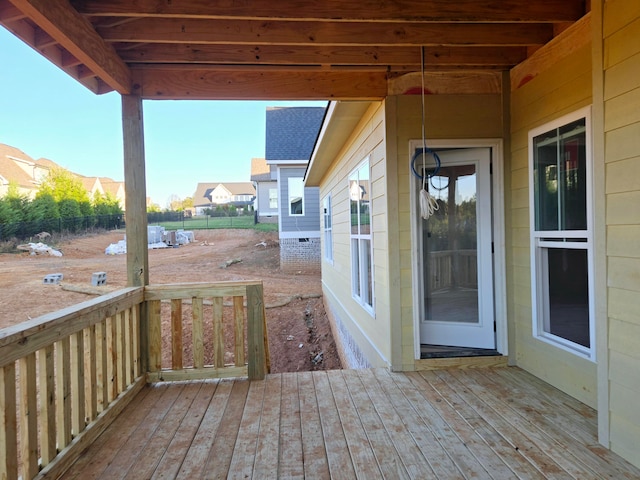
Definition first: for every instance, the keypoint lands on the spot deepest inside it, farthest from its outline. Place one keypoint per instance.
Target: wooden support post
(136, 208)
(255, 333)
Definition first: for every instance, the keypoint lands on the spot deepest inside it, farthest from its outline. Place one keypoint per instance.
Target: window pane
(355, 267)
(365, 247)
(560, 178)
(296, 192)
(354, 198)
(568, 295)
(273, 198)
(573, 192)
(365, 218)
(545, 168)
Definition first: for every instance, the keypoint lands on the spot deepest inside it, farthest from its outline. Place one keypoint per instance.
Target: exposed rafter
(75, 34)
(294, 49)
(336, 10)
(243, 32)
(219, 83)
(395, 58)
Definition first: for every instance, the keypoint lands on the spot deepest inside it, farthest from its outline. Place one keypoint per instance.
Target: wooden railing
(65, 376)
(218, 343)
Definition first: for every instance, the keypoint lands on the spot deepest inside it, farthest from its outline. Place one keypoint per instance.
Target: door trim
(498, 235)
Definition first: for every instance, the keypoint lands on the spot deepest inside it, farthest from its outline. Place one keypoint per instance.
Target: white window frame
(361, 258)
(273, 198)
(541, 241)
(328, 229)
(289, 181)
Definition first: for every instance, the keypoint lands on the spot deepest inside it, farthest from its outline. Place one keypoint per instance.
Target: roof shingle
(291, 132)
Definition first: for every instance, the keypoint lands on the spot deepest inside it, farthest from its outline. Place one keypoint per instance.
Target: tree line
(60, 196)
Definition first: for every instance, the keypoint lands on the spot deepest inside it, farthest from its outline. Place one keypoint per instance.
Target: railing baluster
(135, 342)
(91, 395)
(128, 351)
(63, 388)
(8, 423)
(101, 366)
(155, 335)
(121, 348)
(176, 334)
(28, 416)
(110, 380)
(218, 336)
(46, 384)
(197, 332)
(77, 383)
(238, 321)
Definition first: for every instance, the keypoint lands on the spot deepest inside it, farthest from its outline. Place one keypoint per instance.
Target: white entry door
(456, 293)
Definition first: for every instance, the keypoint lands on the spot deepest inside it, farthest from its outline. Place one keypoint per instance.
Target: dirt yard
(297, 325)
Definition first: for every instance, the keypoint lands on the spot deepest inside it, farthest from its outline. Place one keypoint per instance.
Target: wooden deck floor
(499, 423)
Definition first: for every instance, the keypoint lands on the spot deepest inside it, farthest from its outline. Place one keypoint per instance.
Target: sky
(46, 113)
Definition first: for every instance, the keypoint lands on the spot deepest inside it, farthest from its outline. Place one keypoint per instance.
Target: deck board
(290, 457)
(316, 464)
(494, 423)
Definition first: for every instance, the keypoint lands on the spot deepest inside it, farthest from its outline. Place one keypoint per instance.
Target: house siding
(266, 214)
(560, 90)
(447, 117)
(299, 235)
(364, 337)
(308, 222)
(621, 28)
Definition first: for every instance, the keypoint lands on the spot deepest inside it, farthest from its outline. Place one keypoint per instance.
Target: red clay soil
(298, 329)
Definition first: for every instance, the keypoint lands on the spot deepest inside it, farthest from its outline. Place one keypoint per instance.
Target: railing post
(255, 332)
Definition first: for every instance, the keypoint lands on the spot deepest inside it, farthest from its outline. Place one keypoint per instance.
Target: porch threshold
(444, 351)
(485, 361)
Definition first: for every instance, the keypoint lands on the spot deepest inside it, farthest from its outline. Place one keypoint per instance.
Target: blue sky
(45, 113)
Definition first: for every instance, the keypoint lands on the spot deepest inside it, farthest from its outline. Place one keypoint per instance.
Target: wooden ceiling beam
(287, 55)
(209, 83)
(74, 33)
(253, 32)
(9, 13)
(358, 10)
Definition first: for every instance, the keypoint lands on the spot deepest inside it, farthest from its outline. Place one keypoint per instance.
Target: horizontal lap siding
(370, 334)
(310, 221)
(622, 153)
(562, 89)
(263, 198)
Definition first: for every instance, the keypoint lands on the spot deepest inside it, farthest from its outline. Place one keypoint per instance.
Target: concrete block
(98, 279)
(52, 279)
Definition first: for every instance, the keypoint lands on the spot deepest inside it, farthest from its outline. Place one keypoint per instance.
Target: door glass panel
(450, 247)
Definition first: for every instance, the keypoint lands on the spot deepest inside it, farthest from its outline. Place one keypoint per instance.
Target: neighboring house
(18, 167)
(290, 135)
(210, 195)
(265, 180)
(115, 189)
(534, 251)
(104, 186)
(92, 185)
(27, 173)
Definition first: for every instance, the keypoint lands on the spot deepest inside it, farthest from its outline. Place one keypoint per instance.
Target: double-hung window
(328, 228)
(561, 233)
(361, 248)
(273, 198)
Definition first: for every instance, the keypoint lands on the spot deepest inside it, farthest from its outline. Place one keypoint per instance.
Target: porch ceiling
(334, 49)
